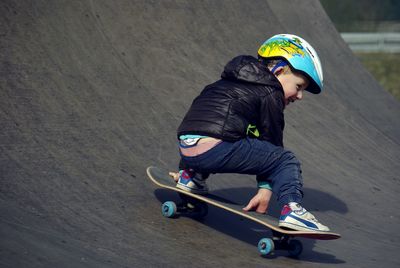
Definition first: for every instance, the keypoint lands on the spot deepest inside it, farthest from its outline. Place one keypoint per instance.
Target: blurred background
(372, 30)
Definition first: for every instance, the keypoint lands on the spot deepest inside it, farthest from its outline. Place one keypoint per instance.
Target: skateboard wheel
(169, 209)
(295, 248)
(202, 209)
(266, 246)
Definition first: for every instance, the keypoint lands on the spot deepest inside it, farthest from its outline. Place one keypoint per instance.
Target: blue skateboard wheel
(295, 248)
(266, 246)
(168, 209)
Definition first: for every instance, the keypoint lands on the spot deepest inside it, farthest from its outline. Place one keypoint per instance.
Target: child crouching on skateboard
(236, 125)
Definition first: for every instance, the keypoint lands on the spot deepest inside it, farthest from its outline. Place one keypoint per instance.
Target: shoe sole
(191, 190)
(296, 227)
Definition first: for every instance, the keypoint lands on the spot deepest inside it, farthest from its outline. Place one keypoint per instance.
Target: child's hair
(272, 64)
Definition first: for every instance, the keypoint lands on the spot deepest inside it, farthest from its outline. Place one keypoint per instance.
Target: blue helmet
(299, 54)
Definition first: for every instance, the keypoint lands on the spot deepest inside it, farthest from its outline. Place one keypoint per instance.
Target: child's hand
(260, 201)
(175, 176)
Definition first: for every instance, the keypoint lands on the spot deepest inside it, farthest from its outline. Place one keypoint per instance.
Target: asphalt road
(91, 93)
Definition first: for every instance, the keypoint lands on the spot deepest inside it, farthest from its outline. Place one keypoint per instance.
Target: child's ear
(278, 71)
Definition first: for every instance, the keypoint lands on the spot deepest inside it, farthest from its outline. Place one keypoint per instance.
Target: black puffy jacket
(248, 94)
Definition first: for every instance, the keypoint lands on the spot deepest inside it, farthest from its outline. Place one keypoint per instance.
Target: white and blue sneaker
(295, 217)
(192, 182)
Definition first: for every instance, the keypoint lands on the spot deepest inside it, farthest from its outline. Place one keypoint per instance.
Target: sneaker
(192, 182)
(295, 217)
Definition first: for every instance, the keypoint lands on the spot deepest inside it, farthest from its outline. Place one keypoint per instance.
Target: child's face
(293, 85)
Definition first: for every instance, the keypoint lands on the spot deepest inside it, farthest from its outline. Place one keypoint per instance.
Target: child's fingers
(262, 208)
(248, 208)
(174, 175)
(255, 204)
(250, 205)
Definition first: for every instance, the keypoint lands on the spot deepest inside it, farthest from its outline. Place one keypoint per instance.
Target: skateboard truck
(285, 242)
(266, 246)
(188, 206)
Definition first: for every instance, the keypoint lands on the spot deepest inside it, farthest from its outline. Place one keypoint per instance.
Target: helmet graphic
(299, 53)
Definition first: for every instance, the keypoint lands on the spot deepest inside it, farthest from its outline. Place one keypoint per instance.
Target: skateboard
(196, 206)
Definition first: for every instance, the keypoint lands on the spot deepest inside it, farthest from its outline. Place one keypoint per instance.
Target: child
(236, 125)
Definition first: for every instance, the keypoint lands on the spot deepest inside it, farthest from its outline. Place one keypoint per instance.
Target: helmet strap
(281, 63)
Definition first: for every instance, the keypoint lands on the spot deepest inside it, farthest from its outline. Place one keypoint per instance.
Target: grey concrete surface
(91, 93)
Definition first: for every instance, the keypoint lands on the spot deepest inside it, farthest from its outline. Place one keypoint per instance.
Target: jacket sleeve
(271, 119)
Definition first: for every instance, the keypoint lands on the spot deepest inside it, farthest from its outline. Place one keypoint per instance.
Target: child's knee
(289, 158)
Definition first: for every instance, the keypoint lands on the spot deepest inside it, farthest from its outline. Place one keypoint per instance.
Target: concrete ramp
(91, 93)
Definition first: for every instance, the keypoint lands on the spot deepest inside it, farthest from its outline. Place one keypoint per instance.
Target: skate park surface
(92, 92)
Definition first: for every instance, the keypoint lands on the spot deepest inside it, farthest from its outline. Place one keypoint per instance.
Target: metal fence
(373, 42)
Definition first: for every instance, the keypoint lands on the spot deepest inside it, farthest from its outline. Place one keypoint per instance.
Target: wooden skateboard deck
(162, 179)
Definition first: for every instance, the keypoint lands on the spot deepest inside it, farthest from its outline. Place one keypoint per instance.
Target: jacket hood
(249, 69)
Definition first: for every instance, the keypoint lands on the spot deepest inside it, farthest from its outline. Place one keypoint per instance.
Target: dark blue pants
(254, 157)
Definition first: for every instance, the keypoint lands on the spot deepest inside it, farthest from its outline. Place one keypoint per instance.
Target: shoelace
(311, 217)
(306, 214)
